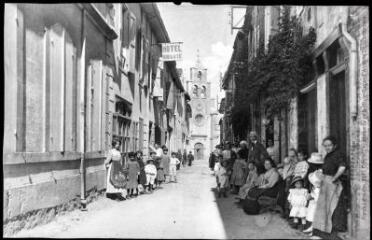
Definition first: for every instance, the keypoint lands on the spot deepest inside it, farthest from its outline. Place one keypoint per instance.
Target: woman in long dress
(330, 215)
(142, 175)
(116, 180)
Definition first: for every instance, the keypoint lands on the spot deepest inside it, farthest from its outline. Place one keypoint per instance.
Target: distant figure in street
(184, 158)
(151, 172)
(142, 175)
(272, 151)
(190, 158)
(257, 151)
(222, 178)
(133, 172)
(174, 161)
(116, 180)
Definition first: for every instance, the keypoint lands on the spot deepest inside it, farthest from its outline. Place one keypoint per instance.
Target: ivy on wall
(279, 73)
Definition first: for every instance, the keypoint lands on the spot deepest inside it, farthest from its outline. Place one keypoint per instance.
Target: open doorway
(199, 151)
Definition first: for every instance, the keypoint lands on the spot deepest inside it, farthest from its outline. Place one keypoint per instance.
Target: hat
(315, 178)
(316, 158)
(296, 179)
(243, 143)
(131, 154)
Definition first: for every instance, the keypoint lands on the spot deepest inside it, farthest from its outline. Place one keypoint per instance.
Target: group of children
(303, 179)
(302, 183)
(144, 178)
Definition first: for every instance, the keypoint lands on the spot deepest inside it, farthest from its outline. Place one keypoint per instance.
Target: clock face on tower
(199, 106)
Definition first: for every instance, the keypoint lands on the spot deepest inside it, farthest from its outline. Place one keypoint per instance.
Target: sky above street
(203, 27)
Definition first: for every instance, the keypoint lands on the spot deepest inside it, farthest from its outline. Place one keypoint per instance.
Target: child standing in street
(222, 179)
(298, 200)
(150, 171)
(174, 161)
(133, 172)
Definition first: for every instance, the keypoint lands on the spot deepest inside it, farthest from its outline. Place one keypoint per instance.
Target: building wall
(358, 26)
(49, 52)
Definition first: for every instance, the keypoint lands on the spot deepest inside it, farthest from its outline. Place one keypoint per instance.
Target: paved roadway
(187, 209)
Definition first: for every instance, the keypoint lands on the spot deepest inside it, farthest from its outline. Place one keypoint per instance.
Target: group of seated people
(307, 191)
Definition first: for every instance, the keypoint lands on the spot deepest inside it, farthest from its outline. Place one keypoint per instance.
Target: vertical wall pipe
(352, 65)
(83, 97)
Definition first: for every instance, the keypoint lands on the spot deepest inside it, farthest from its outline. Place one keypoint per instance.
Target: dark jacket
(257, 153)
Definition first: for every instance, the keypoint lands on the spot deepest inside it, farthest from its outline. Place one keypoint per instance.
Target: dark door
(337, 109)
(307, 111)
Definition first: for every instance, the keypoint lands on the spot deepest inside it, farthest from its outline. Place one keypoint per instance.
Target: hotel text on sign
(171, 51)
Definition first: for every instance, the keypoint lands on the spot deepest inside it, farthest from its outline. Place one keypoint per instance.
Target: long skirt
(243, 191)
(329, 196)
(115, 180)
(160, 177)
(142, 177)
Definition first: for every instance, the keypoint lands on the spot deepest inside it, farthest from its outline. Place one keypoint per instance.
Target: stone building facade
(78, 76)
(334, 100)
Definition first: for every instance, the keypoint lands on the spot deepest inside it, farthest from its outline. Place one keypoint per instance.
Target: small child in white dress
(150, 170)
(315, 180)
(298, 200)
(221, 178)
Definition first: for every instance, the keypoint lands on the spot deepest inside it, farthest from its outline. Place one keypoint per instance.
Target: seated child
(222, 179)
(150, 170)
(298, 200)
(315, 180)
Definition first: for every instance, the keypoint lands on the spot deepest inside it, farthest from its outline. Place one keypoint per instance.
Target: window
(320, 65)
(138, 49)
(121, 125)
(335, 54)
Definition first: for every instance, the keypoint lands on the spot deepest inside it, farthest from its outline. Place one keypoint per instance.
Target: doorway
(199, 151)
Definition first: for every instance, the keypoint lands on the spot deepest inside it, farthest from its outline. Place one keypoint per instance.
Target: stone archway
(199, 151)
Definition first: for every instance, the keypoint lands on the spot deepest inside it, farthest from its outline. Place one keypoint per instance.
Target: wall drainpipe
(83, 202)
(352, 64)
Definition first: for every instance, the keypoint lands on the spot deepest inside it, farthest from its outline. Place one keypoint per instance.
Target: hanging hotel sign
(171, 51)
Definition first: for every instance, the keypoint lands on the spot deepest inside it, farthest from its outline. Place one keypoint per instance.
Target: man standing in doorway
(257, 152)
(190, 158)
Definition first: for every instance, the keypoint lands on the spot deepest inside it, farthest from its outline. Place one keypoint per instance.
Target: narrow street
(187, 209)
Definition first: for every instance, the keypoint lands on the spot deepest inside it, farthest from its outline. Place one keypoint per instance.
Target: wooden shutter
(34, 59)
(56, 86)
(96, 103)
(70, 95)
(132, 42)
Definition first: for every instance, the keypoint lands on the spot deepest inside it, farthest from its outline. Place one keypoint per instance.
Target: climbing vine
(278, 74)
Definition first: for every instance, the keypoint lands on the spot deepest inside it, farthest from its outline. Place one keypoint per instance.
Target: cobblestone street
(187, 209)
